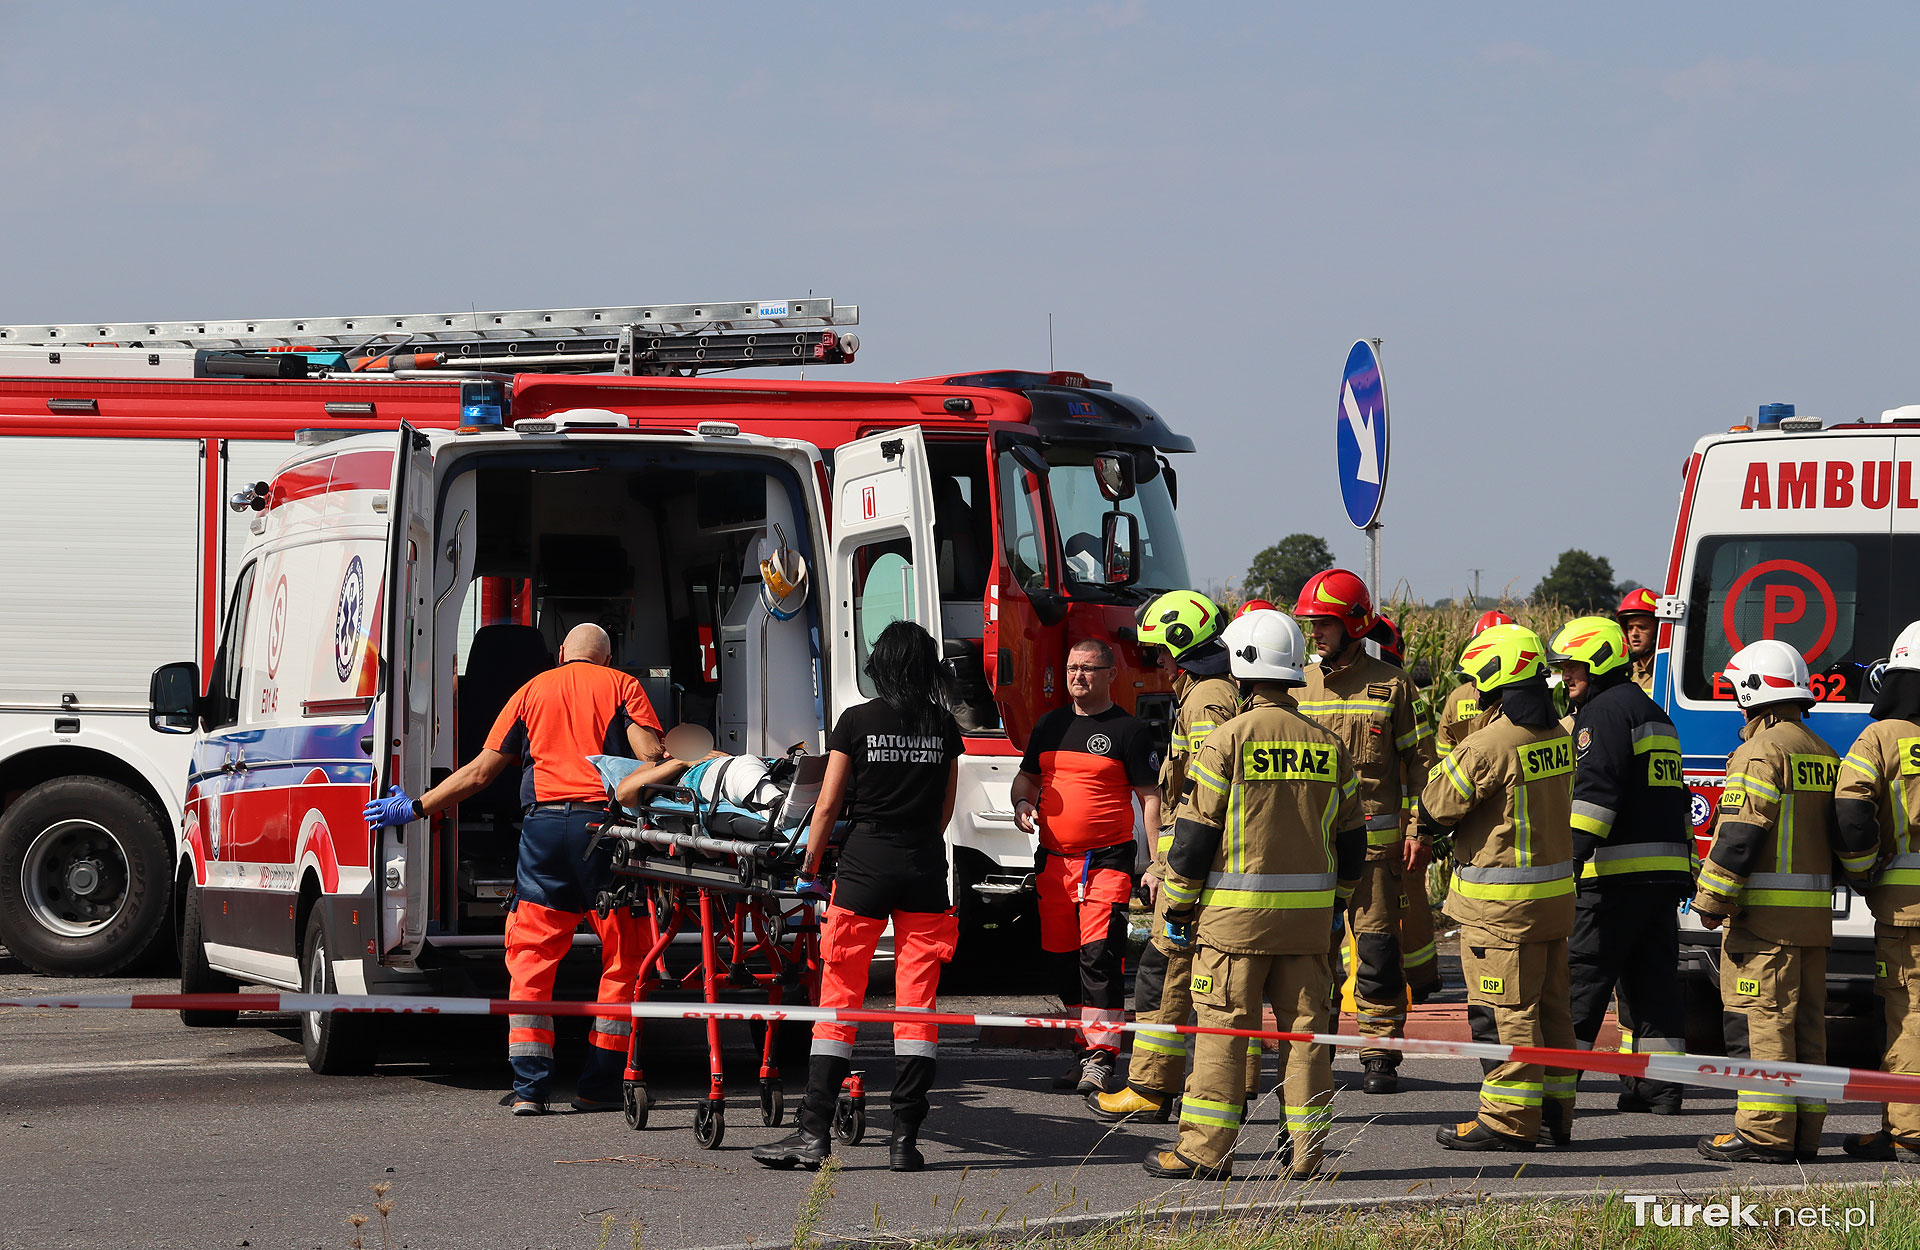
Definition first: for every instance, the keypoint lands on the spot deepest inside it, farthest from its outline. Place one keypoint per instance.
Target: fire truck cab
(1807, 534)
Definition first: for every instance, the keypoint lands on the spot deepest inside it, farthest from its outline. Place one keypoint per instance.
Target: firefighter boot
(1881, 1147)
(1733, 1148)
(1381, 1075)
(1473, 1135)
(1556, 1123)
(1131, 1104)
(1171, 1165)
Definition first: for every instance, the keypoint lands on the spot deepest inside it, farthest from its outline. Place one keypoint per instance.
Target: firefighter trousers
(1228, 992)
(1517, 996)
(1163, 994)
(538, 938)
(1896, 979)
(922, 942)
(1380, 985)
(1627, 938)
(1418, 955)
(1775, 1000)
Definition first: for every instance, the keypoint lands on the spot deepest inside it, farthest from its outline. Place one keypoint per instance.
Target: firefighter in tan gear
(1418, 955)
(1878, 799)
(1769, 879)
(1182, 628)
(1368, 704)
(1457, 712)
(1269, 839)
(1505, 796)
(1640, 622)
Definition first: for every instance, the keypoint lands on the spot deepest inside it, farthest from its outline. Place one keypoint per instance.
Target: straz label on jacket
(1909, 757)
(1749, 986)
(1493, 985)
(1539, 760)
(1663, 769)
(1203, 985)
(1289, 761)
(1813, 772)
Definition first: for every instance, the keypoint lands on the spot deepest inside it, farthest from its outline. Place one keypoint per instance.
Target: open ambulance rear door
(402, 855)
(883, 552)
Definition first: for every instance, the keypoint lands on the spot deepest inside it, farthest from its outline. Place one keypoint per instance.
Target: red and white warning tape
(1803, 1080)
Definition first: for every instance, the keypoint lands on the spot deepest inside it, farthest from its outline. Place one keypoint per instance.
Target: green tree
(1278, 573)
(1579, 580)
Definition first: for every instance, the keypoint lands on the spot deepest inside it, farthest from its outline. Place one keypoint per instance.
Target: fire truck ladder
(641, 339)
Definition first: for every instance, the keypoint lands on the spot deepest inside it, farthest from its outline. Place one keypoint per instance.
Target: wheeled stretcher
(718, 856)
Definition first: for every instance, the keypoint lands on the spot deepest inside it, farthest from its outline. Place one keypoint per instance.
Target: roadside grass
(1815, 1218)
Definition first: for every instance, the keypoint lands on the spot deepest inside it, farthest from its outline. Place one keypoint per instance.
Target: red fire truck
(125, 445)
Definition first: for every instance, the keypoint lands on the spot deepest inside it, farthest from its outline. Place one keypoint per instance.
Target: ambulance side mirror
(173, 698)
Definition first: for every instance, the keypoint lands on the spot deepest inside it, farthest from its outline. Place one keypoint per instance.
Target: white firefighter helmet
(1265, 645)
(1766, 672)
(783, 580)
(1906, 649)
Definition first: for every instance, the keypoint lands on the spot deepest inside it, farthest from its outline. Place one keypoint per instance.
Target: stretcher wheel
(636, 1103)
(773, 1103)
(850, 1119)
(710, 1124)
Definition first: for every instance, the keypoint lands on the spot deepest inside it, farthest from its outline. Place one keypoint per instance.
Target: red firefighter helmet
(1338, 594)
(1638, 602)
(1490, 618)
(1254, 605)
(1386, 636)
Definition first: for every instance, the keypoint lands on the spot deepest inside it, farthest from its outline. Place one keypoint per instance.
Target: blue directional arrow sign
(1360, 435)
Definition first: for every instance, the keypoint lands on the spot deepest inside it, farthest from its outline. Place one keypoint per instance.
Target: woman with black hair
(891, 772)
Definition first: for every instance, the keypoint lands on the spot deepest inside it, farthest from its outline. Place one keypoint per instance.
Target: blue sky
(1586, 237)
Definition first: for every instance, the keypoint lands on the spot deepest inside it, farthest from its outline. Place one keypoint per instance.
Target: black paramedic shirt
(899, 779)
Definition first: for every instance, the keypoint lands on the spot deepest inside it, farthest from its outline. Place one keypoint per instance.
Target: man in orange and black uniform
(583, 707)
(1084, 766)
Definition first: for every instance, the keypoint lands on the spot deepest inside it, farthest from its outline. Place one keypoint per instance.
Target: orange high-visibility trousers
(537, 939)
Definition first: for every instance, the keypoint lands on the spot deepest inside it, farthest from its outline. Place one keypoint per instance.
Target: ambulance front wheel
(196, 977)
(710, 1124)
(86, 875)
(336, 1043)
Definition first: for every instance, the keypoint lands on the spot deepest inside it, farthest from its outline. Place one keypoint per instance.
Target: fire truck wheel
(336, 1043)
(195, 976)
(85, 873)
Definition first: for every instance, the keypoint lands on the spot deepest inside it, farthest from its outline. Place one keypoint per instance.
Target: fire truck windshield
(1078, 506)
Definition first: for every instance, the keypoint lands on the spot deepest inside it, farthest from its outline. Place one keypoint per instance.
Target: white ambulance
(349, 662)
(1810, 535)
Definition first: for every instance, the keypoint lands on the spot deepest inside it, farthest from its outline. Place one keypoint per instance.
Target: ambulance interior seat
(500, 659)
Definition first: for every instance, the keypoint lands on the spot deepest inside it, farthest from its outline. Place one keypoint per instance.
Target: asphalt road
(128, 1129)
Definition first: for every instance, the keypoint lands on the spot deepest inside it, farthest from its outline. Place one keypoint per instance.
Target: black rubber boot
(799, 1149)
(1381, 1077)
(903, 1149)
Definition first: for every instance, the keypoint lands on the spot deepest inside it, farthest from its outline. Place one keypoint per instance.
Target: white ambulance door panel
(102, 569)
(245, 462)
(403, 710)
(883, 567)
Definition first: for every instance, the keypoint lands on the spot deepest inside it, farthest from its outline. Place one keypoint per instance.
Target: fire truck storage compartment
(662, 549)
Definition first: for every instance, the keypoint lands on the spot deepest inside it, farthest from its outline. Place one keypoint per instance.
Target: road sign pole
(1373, 564)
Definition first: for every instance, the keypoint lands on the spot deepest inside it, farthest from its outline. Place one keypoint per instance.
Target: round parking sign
(1782, 599)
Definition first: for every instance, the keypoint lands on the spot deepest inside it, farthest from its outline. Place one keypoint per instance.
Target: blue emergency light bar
(1771, 415)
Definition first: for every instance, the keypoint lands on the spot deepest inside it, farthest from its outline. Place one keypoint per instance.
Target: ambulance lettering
(1828, 484)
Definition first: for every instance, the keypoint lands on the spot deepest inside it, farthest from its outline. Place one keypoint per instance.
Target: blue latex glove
(812, 889)
(1339, 923)
(395, 809)
(1180, 933)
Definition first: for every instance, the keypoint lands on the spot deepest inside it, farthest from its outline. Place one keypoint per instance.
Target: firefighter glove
(396, 809)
